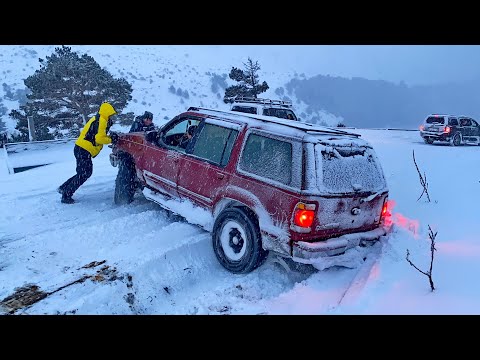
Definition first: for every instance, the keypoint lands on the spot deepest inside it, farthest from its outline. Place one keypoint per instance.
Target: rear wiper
(370, 198)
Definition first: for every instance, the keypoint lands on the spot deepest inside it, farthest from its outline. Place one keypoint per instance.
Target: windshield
(435, 120)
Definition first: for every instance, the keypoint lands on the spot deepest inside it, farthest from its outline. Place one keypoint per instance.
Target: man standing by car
(143, 123)
(88, 145)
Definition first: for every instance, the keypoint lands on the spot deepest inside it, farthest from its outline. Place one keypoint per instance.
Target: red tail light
(303, 217)
(422, 127)
(447, 129)
(384, 209)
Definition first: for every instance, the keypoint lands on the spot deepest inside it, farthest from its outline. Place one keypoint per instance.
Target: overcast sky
(415, 64)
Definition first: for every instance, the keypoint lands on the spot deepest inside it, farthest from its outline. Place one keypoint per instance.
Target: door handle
(220, 176)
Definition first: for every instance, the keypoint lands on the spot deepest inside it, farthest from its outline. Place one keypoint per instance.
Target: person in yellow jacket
(88, 145)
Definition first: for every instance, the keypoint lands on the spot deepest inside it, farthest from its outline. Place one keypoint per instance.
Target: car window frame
(170, 125)
(221, 164)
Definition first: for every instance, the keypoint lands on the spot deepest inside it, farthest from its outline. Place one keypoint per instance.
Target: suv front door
(475, 130)
(203, 170)
(161, 170)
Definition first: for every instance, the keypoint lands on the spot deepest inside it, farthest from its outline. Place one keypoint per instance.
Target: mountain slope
(166, 80)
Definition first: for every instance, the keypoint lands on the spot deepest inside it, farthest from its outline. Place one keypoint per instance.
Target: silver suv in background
(454, 129)
(282, 109)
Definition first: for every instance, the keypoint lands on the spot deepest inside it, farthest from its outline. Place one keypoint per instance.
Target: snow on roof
(289, 128)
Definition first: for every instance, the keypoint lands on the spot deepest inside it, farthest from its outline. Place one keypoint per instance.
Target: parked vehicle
(259, 184)
(454, 129)
(277, 108)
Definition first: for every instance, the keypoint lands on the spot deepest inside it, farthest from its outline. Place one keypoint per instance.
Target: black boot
(67, 199)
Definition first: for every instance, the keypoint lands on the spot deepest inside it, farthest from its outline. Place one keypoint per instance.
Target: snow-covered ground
(94, 257)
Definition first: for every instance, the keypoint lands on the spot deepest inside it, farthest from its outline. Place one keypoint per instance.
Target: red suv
(259, 184)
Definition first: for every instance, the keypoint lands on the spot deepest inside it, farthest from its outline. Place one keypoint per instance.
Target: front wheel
(237, 241)
(125, 183)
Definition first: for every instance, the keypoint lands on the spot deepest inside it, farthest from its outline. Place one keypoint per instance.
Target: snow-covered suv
(454, 129)
(259, 184)
(282, 109)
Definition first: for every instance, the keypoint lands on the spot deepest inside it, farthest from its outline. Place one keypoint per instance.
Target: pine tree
(65, 92)
(249, 85)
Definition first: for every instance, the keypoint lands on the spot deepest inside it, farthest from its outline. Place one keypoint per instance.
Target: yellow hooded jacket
(101, 138)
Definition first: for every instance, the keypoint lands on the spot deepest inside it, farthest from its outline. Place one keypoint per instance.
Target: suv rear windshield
(343, 169)
(435, 120)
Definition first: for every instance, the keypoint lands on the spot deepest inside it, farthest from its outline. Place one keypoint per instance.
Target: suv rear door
(435, 123)
(353, 187)
(203, 170)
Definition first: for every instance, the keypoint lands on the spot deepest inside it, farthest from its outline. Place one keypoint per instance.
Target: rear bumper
(309, 253)
(435, 135)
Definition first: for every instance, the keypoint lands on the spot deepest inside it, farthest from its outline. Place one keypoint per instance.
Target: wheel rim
(233, 240)
(456, 140)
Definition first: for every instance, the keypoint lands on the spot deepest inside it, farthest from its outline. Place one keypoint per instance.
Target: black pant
(84, 171)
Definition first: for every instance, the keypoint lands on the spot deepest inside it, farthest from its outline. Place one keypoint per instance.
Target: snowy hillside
(166, 79)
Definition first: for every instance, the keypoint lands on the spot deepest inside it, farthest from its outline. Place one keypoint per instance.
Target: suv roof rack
(246, 99)
(309, 128)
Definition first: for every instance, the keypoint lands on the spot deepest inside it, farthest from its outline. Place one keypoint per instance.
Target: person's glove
(114, 137)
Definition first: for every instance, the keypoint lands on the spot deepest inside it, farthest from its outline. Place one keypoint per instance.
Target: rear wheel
(456, 139)
(428, 140)
(125, 183)
(237, 241)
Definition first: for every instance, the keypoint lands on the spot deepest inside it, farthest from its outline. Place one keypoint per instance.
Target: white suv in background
(277, 108)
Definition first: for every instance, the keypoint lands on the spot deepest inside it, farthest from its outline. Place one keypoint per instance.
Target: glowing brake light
(304, 215)
(304, 218)
(422, 127)
(447, 129)
(384, 210)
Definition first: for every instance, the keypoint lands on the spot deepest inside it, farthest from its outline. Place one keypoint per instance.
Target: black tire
(456, 139)
(125, 183)
(237, 241)
(428, 141)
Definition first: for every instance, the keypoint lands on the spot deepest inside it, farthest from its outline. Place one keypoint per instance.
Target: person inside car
(187, 136)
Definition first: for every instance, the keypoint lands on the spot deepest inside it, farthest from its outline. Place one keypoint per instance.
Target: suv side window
(465, 122)
(245, 109)
(279, 113)
(474, 123)
(268, 158)
(215, 143)
(453, 122)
